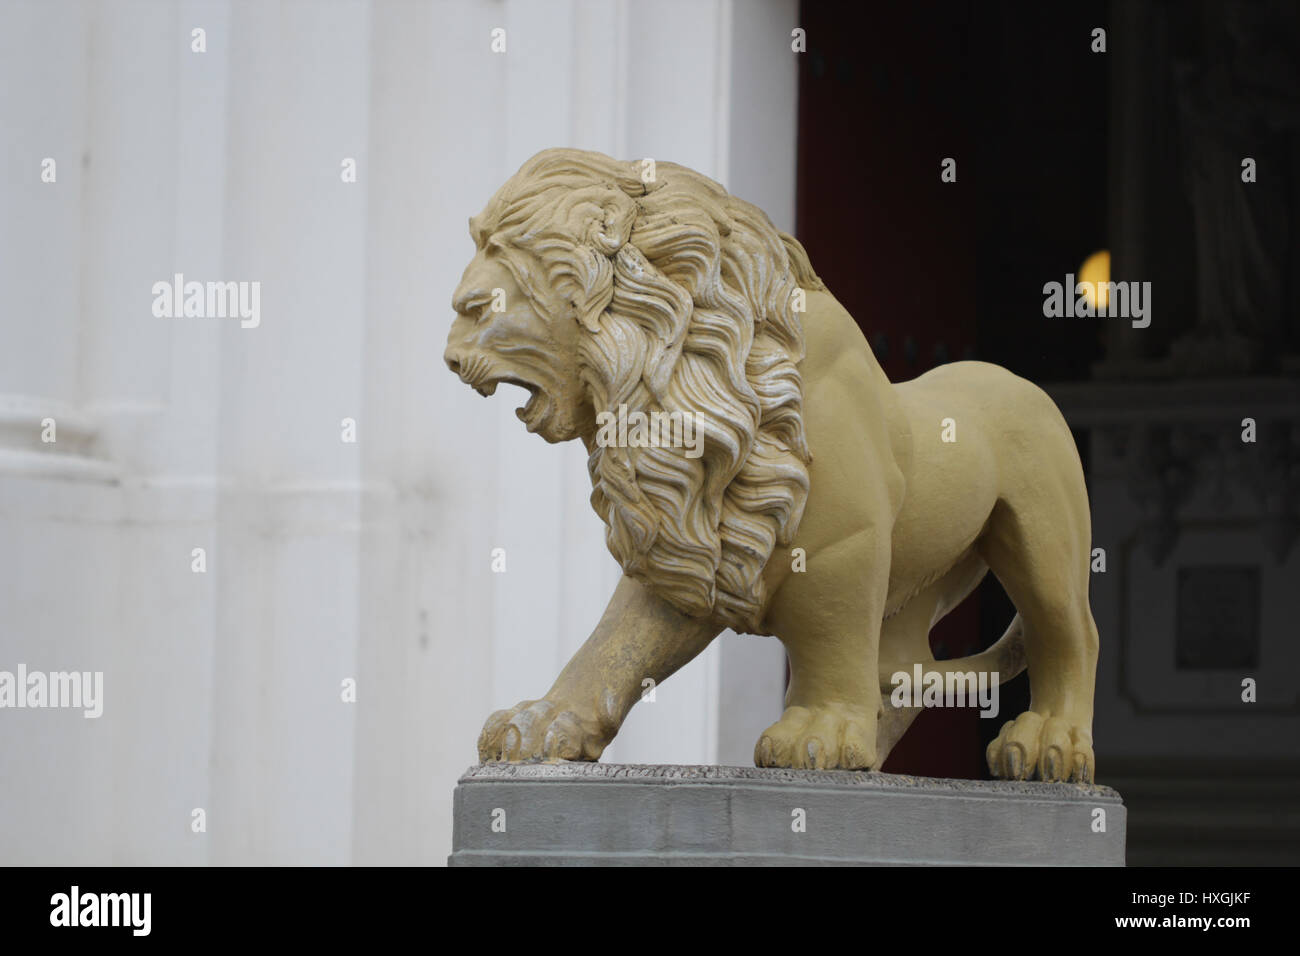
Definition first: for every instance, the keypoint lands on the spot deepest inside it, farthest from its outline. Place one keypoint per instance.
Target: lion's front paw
(826, 737)
(546, 729)
(1051, 747)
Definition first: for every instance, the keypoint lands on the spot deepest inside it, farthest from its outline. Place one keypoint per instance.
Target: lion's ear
(609, 229)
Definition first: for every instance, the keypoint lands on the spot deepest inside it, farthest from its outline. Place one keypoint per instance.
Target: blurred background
(328, 561)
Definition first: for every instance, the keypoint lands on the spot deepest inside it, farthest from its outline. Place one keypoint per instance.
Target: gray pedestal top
(632, 814)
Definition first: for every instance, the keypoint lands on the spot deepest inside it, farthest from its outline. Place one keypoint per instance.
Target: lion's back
(992, 398)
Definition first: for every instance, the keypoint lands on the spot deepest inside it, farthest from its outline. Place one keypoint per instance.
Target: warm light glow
(1096, 269)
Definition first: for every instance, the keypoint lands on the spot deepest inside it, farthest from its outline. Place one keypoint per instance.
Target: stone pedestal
(573, 814)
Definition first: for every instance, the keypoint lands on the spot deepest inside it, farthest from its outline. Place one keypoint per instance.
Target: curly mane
(686, 295)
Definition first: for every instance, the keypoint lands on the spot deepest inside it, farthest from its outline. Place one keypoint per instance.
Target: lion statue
(820, 503)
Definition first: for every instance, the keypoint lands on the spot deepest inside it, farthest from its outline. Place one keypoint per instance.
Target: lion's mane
(687, 298)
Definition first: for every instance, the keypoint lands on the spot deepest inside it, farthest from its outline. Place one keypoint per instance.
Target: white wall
(325, 560)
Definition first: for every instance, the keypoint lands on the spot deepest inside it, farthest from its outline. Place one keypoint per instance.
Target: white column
(288, 551)
(58, 569)
(426, 595)
(43, 118)
(156, 126)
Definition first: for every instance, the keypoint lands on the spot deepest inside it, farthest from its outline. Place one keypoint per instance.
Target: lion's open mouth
(477, 372)
(532, 411)
(488, 386)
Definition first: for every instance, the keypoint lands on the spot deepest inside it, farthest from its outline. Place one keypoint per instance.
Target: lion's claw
(829, 737)
(510, 743)
(542, 729)
(1044, 747)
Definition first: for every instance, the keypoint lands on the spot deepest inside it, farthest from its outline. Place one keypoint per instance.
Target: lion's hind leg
(1041, 559)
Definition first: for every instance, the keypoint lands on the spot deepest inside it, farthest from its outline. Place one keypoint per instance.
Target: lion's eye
(475, 311)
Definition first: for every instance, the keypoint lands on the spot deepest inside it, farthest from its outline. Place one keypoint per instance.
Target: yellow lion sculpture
(820, 503)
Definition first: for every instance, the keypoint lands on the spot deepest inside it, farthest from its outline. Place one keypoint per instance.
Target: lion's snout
(465, 365)
(475, 370)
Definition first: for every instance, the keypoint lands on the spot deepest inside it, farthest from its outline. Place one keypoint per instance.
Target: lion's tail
(1005, 658)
